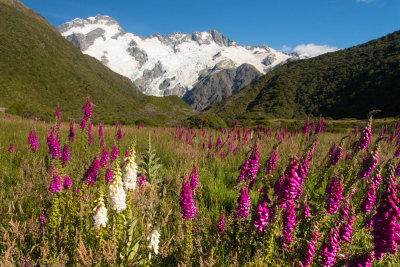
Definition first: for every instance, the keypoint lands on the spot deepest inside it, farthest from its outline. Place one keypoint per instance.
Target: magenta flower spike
(385, 221)
(56, 183)
(362, 261)
(329, 248)
(221, 224)
(101, 130)
(288, 223)
(10, 148)
(87, 110)
(57, 113)
(319, 126)
(33, 140)
(104, 157)
(346, 229)
(193, 180)
(109, 175)
(53, 144)
(83, 124)
(114, 153)
(365, 136)
(186, 202)
(142, 180)
(102, 142)
(369, 164)
(307, 259)
(306, 127)
(334, 190)
(369, 200)
(119, 134)
(270, 163)
(292, 181)
(91, 173)
(243, 201)
(65, 154)
(67, 182)
(262, 217)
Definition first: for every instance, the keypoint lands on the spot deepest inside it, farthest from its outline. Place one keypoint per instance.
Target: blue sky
(280, 24)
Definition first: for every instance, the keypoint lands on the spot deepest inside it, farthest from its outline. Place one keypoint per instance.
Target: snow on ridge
(166, 64)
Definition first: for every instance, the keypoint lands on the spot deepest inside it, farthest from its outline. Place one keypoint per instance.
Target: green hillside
(345, 84)
(40, 69)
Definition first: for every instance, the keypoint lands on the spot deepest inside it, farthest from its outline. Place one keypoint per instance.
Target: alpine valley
(201, 67)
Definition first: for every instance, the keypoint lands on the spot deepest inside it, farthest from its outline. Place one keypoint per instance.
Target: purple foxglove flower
(104, 157)
(71, 134)
(221, 224)
(186, 202)
(57, 113)
(334, 190)
(87, 110)
(33, 140)
(114, 153)
(346, 229)
(262, 216)
(319, 127)
(306, 126)
(306, 210)
(290, 187)
(336, 157)
(91, 173)
(288, 222)
(10, 148)
(101, 130)
(385, 221)
(142, 180)
(365, 136)
(52, 143)
(369, 200)
(369, 164)
(243, 201)
(83, 124)
(270, 163)
(329, 248)
(193, 180)
(119, 134)
(65, 154)
(109, 175)
(67, 182)
(307, 258)
(56, 184)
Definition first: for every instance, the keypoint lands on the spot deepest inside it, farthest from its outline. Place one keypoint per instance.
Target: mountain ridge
(165, 64)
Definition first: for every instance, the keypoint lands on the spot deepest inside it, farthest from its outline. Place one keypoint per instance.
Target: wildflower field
(83, 194)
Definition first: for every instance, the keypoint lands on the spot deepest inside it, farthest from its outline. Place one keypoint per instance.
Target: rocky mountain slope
(174, 64)
(39, 70)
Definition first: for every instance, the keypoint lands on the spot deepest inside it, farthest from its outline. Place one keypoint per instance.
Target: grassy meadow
(40, 227)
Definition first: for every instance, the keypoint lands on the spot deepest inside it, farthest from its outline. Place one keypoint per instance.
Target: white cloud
(286, 49)
(313, 50)
(364, 1)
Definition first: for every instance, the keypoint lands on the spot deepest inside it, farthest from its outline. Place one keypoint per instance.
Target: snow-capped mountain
(166, 64)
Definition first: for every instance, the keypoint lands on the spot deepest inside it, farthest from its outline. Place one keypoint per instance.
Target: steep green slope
(40, 69)
(346, 83)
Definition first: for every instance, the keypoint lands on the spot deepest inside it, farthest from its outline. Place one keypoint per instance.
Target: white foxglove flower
(130, 176)
(154, 239)
(100, 215)
(117, 192)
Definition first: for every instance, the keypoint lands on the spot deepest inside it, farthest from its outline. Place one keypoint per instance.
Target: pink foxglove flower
(71, 134)
(10, 148)
(334, 190)
(33, 140)
(109, 175)
(65, 154)
(221, 224)
(114, 153)
(91, 173)
(307, 258)
(67, 182)
(104, 157)
(243, 201)
(262, 216)
(186, 201)
(289, 222)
